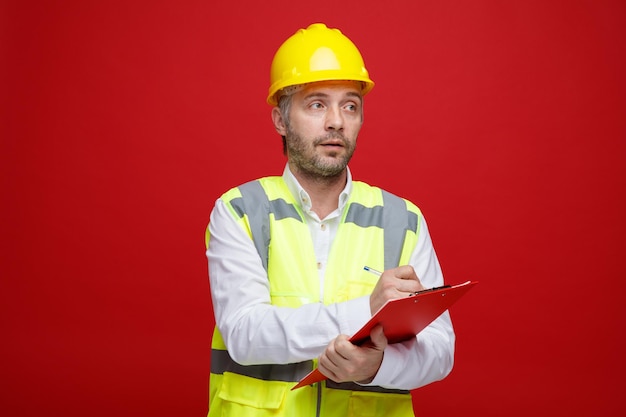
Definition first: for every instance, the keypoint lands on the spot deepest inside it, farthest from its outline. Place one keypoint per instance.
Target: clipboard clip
(429, 290)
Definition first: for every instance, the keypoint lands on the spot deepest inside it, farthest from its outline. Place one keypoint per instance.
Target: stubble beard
(308, 162)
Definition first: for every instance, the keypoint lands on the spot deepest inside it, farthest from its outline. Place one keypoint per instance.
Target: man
(286, 257)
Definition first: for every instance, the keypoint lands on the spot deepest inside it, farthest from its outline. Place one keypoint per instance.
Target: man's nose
(334, 118)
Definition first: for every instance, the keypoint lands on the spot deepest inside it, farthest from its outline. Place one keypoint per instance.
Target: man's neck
(323, 191)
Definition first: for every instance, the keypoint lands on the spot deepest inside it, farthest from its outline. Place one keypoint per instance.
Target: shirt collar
(302, 197)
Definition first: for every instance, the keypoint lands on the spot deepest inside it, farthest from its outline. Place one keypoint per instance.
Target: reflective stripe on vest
(293, 372)
(222, 362)
(252, 193)
(393, 224)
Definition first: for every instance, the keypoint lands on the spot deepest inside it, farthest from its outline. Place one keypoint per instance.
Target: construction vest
(377, 229)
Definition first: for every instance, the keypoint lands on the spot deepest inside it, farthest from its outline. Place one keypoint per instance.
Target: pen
(372, 270)
(378, 273)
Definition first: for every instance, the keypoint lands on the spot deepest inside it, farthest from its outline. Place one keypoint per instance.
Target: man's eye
(316, 105)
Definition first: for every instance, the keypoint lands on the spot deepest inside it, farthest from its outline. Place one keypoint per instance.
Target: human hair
(284, 105)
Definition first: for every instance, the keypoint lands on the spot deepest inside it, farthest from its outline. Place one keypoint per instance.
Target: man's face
(325, 119)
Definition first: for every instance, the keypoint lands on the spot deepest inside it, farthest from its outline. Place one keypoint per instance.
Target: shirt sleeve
(428, 357)
(254, 331)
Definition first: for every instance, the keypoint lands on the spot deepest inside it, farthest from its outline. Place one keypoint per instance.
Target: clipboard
(403, 318)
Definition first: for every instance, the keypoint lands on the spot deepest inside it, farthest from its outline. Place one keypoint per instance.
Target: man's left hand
(343, 361)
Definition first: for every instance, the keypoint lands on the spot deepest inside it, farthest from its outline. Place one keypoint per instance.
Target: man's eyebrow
(355, 94)
(315, 94)
(319, 94)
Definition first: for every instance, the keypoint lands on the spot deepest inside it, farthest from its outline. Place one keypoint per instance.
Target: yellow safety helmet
(316, 53)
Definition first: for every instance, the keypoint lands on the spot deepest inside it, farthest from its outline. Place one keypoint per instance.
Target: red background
(123, 121)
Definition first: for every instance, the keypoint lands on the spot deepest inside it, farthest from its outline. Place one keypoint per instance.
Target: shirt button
(319, 265)
(323, 226)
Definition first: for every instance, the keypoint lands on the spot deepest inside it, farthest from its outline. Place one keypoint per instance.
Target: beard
(303, 154)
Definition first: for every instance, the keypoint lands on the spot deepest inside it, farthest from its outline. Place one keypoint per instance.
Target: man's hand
(343, 361)
(394, 283)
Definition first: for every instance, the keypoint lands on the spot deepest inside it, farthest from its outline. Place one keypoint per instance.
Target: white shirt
(256, 332)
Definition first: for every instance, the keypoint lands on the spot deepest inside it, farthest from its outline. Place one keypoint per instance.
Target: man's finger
(378, 338)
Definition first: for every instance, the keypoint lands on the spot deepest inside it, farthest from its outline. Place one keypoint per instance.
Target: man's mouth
(333, 143)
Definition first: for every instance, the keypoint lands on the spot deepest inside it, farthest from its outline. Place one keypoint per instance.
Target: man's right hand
(394, 283)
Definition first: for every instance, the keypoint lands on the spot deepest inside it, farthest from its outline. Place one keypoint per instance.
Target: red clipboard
(403, 318)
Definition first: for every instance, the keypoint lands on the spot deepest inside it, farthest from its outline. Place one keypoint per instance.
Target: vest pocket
(361, 286)
(374, 404)
(291, 300)
(240, 393)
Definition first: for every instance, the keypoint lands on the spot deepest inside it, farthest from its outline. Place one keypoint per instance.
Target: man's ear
(279, 121)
